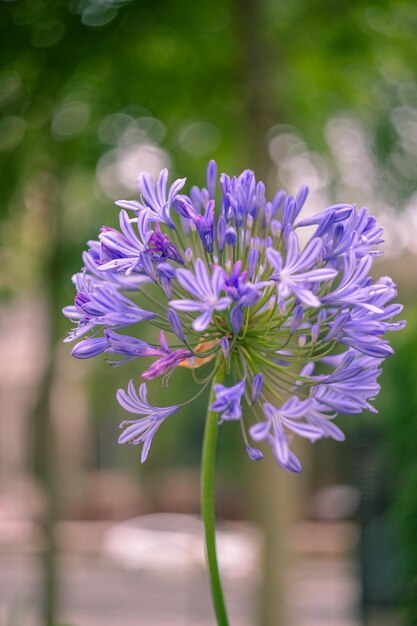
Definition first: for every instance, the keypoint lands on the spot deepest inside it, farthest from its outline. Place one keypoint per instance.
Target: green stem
(207, 505)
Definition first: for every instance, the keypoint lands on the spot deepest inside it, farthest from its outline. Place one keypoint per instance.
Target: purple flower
(236, 319)
(239, 288)
(166, 363)
(221, 233)
(239, 196)
(355, 287)
(293, 206)
(211, 178)
(350, 392)
(206, 290)
(123, 249)
(258, 381)
(300, 330)
(159, 244)
(363, 327)
(142, 430)
(276, 426)
(319, 416)
(350, 385)
(156, 202)
(225, 347)
(175, 323)
(231, 236)
(204, 223)
(113, 342)
(338, 212)
(97, 255)
(254, 454)
(228, 401)
(101, 304)
(253, 261)
(344, 228)
(295, 276)
(93, 346)
(166, 274)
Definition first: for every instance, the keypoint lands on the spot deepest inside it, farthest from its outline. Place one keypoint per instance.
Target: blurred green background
(92, 92)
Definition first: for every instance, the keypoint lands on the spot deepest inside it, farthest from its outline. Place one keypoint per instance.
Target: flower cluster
(290, 334)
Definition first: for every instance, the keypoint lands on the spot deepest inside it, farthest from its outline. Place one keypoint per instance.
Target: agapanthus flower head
(290, 334)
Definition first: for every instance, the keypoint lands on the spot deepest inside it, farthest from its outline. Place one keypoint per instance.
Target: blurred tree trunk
(261, 113)
(45, 459)
(278, 500)
(47, 470)
(276, 494)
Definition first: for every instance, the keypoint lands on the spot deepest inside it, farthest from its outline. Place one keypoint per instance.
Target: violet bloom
(101, 304)
(123, 249)
(300, 330)
(206, 290)
(160, 245)
(228, 400)
(166, 363)
(258, 381)
(203, 223)
(141, 430)
(296, 276)
(156, 202)
(279, 422)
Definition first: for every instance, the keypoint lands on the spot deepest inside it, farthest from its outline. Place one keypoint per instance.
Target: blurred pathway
(323, 592)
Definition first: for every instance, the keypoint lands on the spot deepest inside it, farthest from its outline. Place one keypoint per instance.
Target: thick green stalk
(208, 508)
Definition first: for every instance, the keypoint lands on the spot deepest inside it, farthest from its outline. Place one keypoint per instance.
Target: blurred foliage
(339, 56)
(399, 418)
(75, 76)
